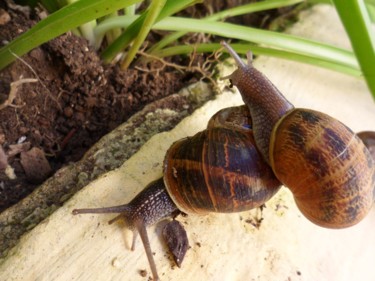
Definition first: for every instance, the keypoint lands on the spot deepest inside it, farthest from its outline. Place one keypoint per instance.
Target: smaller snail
(217, 170)
(326, 166)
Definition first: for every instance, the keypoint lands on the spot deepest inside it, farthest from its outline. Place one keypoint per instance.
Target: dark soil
(74, 100)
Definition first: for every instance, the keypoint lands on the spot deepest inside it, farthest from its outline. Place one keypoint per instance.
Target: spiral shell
(219, 169)
(325, 165)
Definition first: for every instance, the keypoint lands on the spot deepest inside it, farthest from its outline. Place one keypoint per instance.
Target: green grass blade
(132, 29)
(252, 8)
(257, 50)
(354, 16)
(57, 23)
(51, 6)
(370, 4)
(152, 13)
(272, 39)
(130, 10)
(236, 11)
(171, 7)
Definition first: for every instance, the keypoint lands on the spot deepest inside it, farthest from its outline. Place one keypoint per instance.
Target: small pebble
(68, 111)
(116, 263)
(4, 17)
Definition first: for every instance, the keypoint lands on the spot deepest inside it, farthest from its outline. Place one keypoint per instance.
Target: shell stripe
(239, 186)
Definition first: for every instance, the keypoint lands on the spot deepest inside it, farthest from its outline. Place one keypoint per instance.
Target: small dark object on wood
(176, 239)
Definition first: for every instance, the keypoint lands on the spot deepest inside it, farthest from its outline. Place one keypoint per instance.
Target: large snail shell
(218, 170)
(326, 166)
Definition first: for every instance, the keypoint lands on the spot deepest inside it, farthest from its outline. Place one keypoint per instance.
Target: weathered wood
(223, 247)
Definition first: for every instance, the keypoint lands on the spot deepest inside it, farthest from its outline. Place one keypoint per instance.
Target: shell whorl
(326, 166)
(219, 169)
(223, 172)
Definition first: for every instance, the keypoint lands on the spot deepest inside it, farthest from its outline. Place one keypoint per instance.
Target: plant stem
(58, 23)
(152, 14)
(354, 16)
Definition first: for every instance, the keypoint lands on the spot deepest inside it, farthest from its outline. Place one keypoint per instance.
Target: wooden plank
(223, 247)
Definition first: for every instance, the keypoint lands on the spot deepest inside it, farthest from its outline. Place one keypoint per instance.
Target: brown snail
(217, 170)
(326, 166)
(227, 168)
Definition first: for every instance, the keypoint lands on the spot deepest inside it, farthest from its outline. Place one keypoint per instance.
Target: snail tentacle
(150, 206)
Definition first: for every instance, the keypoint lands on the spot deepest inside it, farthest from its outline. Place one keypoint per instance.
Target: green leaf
(232, 12)
(171, 7)
(58, 23)
(272, 39)
(151, 15)
(357, 22)
(257, 50)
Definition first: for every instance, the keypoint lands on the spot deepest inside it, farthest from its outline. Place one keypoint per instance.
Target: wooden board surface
(223, 247)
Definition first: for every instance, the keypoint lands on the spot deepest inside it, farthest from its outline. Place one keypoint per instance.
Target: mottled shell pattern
(325, 165)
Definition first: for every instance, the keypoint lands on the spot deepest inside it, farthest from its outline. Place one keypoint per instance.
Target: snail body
(326, 166)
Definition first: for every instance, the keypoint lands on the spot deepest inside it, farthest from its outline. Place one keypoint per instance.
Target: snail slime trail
(240, 161)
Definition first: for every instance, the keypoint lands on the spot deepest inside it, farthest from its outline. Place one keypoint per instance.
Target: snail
(241, 159)
(326, 166)
(217, 170)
